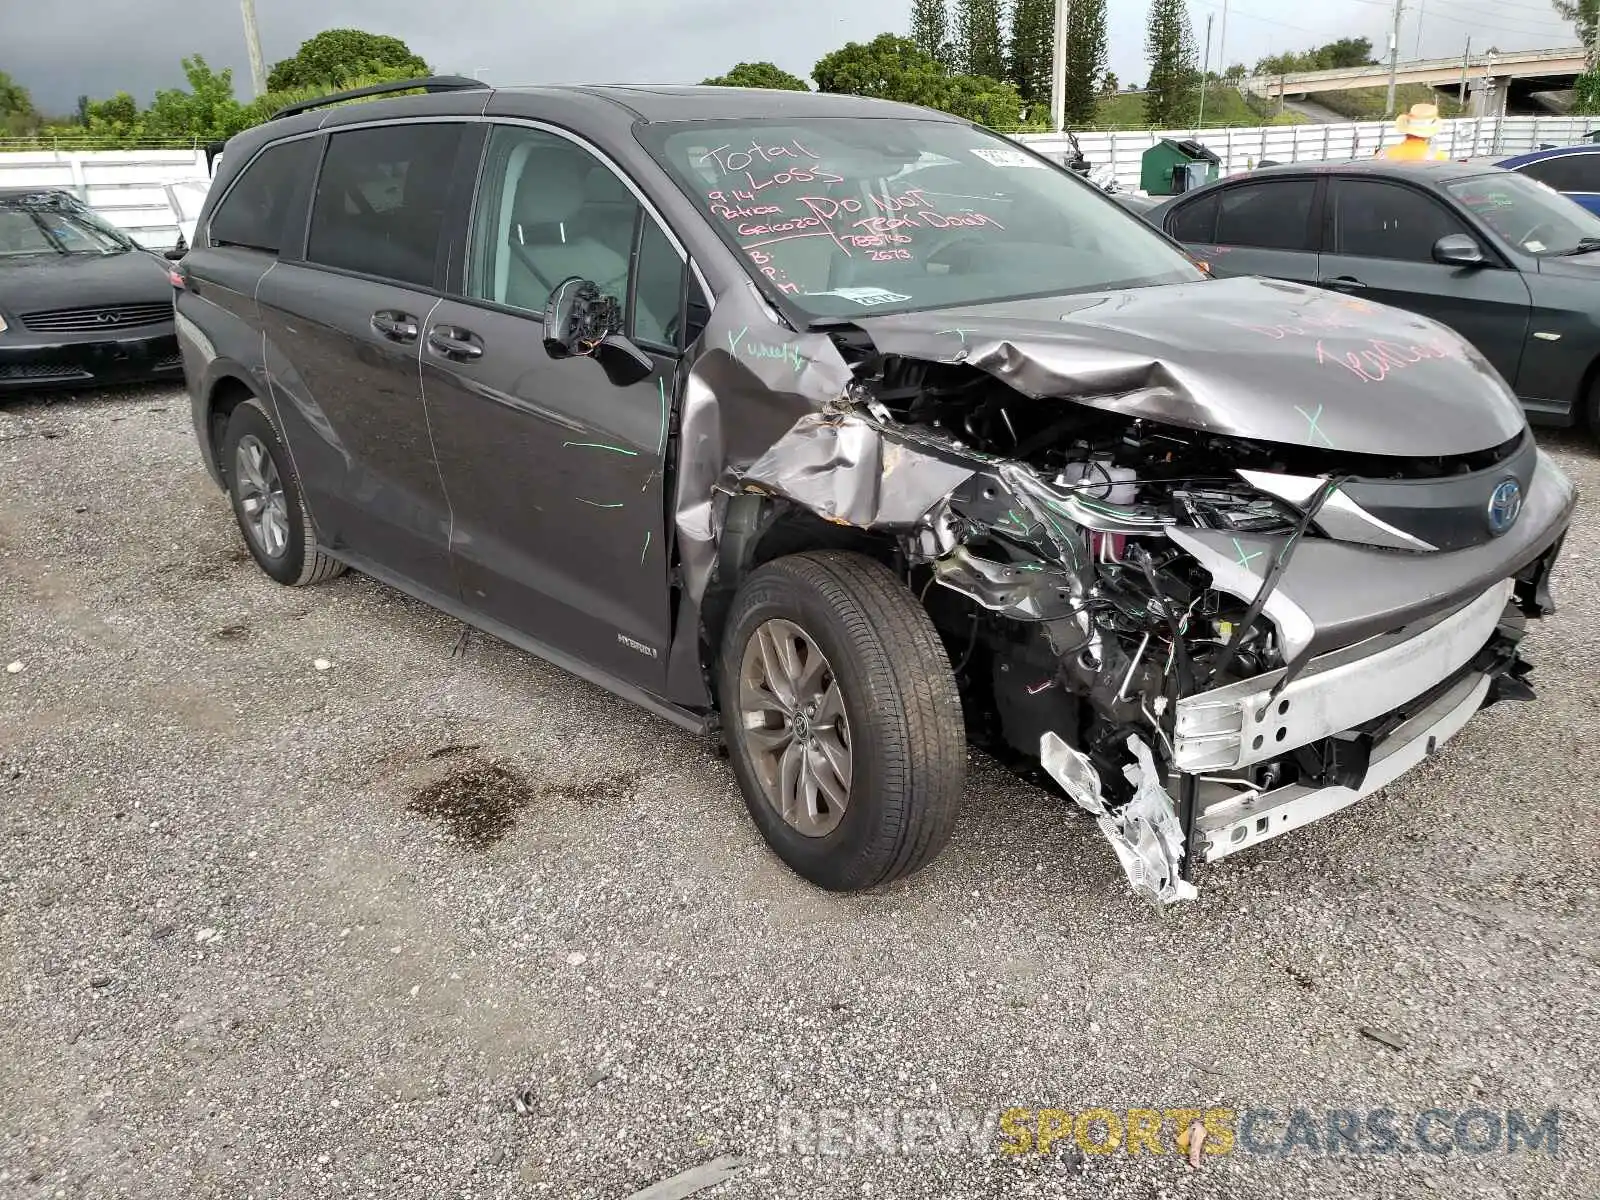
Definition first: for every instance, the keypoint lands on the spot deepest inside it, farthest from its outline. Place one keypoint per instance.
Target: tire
(903, 737)
(285, 545)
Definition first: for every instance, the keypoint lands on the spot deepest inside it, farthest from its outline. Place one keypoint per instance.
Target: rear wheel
(267, 501)
(842, 719)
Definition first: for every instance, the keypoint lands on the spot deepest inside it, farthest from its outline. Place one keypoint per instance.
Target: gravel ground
(436, 921)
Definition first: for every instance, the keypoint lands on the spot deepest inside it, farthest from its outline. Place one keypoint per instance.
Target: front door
(343, 338)
(555, 471)
(1380, 247)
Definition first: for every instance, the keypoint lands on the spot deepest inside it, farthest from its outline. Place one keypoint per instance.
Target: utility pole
(1394, 56)
(1222, 41)
(1058, 70)
(252, 40)
(1421, 4)
(1205, 68)
(1466, 58)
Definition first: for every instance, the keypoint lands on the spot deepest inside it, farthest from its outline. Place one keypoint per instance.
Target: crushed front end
(1204, 639)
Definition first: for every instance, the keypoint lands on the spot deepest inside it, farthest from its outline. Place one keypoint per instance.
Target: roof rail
(431, 83)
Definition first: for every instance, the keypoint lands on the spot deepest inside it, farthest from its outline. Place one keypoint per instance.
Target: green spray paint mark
(1246, 559)
(600, 446)
(646, 549)
(788, 352)
(596, 503)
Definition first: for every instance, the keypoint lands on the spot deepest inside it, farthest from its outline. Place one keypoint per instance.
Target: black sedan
(1502, 259)
(80, 302)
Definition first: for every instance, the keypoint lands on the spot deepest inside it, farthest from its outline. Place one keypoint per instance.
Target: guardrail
(155, 194)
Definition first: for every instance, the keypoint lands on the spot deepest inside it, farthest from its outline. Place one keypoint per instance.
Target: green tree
(207, 112)
(336, 56)
(1086, 58)
(1033, 31)
(17, 115)
(893, 68)
(1110, 85)
(1585, 18)
(980, 38)
(759, 75)
(1169, 42)
(930, 30)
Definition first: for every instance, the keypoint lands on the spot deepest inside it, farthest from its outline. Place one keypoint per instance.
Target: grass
(1224, 106)
(1367, 104)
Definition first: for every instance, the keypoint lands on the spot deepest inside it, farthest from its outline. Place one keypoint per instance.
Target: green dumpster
(1170, 167)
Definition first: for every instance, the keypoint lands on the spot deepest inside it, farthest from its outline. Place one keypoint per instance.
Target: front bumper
(1243, 821)
(1247, 723)
(29, 361)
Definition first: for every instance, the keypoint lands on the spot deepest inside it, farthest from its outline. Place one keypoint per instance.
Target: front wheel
(842, 719)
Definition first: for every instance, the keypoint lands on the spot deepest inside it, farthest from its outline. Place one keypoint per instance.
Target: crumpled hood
(1252, 358)
(45, 281)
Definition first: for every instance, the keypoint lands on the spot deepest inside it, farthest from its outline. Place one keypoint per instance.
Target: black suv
(861, 432)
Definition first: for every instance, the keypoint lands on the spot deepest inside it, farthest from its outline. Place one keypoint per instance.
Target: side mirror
(579, 320)
(1458, 250)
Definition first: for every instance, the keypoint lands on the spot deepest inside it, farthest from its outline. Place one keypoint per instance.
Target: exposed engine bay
(1110, 590)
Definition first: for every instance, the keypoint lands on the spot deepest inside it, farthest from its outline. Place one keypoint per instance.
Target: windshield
(1531, 216)
(848, 216)
(52, 224)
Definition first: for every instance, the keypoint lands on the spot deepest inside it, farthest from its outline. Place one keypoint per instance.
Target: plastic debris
(1144, 832)
(323, 664)
(1383, 1037)
(577, 959)
(695, 1179)
(14, 668)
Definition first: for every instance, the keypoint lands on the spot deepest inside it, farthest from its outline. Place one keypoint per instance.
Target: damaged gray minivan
(861, 433)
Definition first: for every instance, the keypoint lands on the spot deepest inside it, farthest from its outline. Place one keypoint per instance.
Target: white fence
(150, 194)
(153, 194)
(1241, 149)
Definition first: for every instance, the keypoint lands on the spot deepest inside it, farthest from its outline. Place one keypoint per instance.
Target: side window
(254, 212)
(549, 210)
(1274, 215)
(657, 288)
(1197, 222)
(1567, 172)
(1384, 220)
(380, 202)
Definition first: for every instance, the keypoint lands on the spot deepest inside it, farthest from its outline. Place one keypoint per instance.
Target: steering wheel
(1523, 241)
(960, 239)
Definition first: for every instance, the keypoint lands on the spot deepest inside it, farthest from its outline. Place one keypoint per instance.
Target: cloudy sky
(62, 48)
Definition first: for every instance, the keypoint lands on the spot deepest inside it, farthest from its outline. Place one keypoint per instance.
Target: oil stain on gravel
(477, 801)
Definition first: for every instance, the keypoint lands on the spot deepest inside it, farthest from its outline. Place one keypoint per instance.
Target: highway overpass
(1528, 70)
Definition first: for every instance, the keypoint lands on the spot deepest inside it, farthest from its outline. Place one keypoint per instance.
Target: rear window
(255, 211)
(381, 197)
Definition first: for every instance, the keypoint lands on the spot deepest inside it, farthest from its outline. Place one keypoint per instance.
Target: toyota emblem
(1505, 504)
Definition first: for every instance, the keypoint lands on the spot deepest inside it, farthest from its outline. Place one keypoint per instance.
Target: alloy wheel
(261, 497)
(792, 719)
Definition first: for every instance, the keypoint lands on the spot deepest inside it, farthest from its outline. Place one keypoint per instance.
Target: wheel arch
(758, 529)
(224, 393)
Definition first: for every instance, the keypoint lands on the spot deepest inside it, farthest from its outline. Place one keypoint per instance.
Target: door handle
(396, 326)
(451, 342)
(1346, 283)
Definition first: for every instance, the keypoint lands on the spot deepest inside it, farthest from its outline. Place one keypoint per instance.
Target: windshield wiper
(1586, 245)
